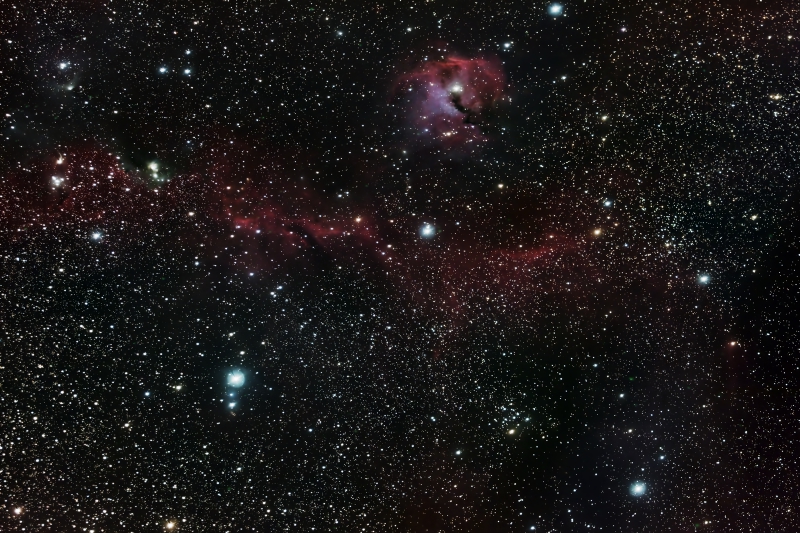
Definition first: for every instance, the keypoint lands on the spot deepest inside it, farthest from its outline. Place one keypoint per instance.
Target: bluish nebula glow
(637, 489)
(236, 378)
(555, 9)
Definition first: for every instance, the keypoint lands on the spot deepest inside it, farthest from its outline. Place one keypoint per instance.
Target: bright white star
(236, 378)
(637, 489)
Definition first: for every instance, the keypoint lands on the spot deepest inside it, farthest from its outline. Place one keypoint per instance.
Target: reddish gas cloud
(258, 215)
(84, 190)
(269, 208)
(446, 101)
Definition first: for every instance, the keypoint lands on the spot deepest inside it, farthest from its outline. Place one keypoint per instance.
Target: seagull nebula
(408, 267)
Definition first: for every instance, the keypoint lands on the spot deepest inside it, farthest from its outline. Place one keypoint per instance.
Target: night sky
(399, 266)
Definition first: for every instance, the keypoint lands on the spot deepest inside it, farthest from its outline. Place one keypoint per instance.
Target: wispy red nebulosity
(85, 188)
(260, 215)
(268, 208)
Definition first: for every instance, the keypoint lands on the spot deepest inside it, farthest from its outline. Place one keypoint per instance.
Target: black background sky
(484, 267)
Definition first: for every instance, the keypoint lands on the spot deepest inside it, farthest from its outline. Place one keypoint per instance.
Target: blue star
(236, 378)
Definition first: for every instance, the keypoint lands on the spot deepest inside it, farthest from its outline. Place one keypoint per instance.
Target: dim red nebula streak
(93, 193)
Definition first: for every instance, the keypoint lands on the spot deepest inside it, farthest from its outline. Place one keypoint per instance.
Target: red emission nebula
(261, 220)
(244, 208)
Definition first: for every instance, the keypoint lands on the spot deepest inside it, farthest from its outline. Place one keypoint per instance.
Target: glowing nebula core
(447, 100)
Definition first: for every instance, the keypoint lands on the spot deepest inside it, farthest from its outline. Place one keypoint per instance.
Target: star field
(399, 267)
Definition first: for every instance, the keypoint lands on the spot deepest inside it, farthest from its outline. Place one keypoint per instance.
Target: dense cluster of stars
(401, 268)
